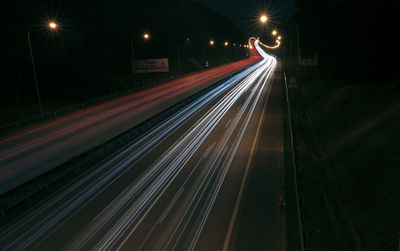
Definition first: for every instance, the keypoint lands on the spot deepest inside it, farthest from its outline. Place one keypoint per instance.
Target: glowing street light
(279, 37)
(52, 26)
(146, 36)
(263, 18)
(226, 43)
(274, 32)
(211, 42)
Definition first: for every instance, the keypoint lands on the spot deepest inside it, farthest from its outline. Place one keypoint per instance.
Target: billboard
(149, 65)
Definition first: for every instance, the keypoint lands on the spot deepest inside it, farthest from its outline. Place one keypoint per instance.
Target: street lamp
(53, 26)
(226, 43)
(146, 36)
(211, 42)
(263, 18)
(274, 32)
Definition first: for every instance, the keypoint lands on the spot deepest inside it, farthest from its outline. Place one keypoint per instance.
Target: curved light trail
(160, 192)
(26, 154)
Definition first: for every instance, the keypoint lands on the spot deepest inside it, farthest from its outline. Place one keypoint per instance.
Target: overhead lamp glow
(52, 25)
(263, 18)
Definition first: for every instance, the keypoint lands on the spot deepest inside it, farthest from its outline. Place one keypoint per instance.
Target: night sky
(245, 14)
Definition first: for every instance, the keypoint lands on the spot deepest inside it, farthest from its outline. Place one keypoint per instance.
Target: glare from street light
(146, 36)
(52, 25)
(211, 42)
(274, 32)
(279, 37)
(226, 43)
(263, 18)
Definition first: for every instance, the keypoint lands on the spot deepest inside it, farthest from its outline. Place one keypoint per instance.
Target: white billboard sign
(149, 65)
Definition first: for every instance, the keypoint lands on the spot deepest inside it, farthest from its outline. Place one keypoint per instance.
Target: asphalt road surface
(177, 187)
(33, 151)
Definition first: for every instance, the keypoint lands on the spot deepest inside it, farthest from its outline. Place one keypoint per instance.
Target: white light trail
(116, 223)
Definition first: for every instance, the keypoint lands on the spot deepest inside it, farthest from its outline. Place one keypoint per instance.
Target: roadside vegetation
(347, 148)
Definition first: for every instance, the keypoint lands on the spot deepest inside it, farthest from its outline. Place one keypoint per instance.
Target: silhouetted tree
(357, 37)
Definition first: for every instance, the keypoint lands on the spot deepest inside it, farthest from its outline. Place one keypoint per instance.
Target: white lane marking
(112, 202)
(209, 150)
(227, 124)
(171, 205)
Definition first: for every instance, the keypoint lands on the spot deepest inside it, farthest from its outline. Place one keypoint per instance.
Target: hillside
(349, 164)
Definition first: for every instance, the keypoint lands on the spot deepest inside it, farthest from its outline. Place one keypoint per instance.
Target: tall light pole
(52, 26)
(146, 36)
(179, 58)
(264, 20)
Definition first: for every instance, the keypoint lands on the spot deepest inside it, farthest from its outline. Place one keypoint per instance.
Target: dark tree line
(354, 37)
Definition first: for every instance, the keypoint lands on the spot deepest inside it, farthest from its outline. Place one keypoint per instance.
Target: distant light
(274, 32)
(234, 44)
(211, 42)
(263, 18)
(279, 37)
(226, 43)
(52, 25)
(146, 36)
(187, 39)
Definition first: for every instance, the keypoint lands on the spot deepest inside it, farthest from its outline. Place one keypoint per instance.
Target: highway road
(33, 151)
(177, 187)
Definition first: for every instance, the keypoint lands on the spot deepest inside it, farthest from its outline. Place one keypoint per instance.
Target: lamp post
(179, 58)
(146, 36)
(51, 26)
(264, 20)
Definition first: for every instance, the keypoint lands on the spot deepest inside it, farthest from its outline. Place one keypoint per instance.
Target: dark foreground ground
(348, 153)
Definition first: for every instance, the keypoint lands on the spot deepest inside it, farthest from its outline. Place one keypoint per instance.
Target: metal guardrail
(69, 108)
(299, 215)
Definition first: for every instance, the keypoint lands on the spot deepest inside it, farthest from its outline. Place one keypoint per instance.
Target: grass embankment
(349, 164)
(23, 109)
